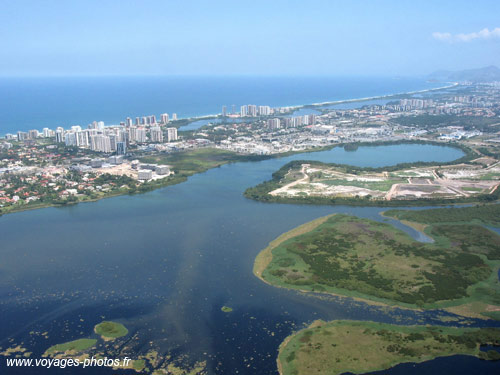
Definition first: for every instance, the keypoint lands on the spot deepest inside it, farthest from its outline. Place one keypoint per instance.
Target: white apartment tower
(156, 134)
(171, 134)
(164, 118)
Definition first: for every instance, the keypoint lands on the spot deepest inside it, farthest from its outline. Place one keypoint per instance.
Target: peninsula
(472, 178)
(358, 347)
(373, 261)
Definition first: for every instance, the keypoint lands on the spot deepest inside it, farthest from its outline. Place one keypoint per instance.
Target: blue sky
(314, 37)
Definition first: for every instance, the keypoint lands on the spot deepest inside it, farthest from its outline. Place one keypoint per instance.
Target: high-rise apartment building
(156, 134)
(100, 142)
(243, 110)
(141, 136)
(273, 123)
(171, 134)
(164, 119)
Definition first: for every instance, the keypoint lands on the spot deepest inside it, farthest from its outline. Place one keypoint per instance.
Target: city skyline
(53, 38)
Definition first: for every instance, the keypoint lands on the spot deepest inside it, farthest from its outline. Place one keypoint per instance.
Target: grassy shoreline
(265, 256)
(276, 271)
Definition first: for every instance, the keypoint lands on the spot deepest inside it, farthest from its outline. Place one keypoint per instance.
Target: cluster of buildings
(33, 170)
(411, 104)
(108, 139)
(249, 110)
(465, 105)
(291, 122)
(278, 131)
(99, 138)
(253, 110)
(149, 120)
(378, 122)
(455, 133)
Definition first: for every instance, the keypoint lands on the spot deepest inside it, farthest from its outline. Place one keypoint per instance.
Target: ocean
(35, 103)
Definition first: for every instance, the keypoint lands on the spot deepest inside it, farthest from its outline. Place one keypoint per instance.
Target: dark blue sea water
(165, 262)
(35, 103)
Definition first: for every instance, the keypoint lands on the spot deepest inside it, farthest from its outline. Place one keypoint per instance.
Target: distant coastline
(185, 120)
(322, 104)
(330, 103)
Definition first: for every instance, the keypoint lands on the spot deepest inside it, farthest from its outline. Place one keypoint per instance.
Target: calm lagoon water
(165, 262)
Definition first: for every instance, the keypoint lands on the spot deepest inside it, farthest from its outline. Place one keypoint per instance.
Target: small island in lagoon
(110, 330)
(70, 347)
(107, 330)
(86, 348)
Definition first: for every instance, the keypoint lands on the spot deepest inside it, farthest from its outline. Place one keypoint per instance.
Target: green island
(358, 347)
(150, 362)
(374, 261)
(70, 347)
(107, 330)
(226, 309)
(110, 330)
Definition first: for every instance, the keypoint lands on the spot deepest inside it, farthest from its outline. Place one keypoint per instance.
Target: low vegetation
(71, 347)
(486, 214)
(362, 258)
(110, 330)
(359, 347)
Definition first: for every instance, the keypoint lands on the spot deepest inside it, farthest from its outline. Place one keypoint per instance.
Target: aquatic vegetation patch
(71, 347)
(110, 330)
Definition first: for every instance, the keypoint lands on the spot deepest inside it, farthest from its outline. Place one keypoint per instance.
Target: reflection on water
(164, 263)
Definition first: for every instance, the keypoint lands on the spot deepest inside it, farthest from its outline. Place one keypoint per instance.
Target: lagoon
(163, 263)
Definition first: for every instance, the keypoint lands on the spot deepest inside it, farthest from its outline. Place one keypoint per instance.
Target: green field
(485, 214)
(71, 347)
(187, 163)
(349, 256)
(110, 330)
(359, 347)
